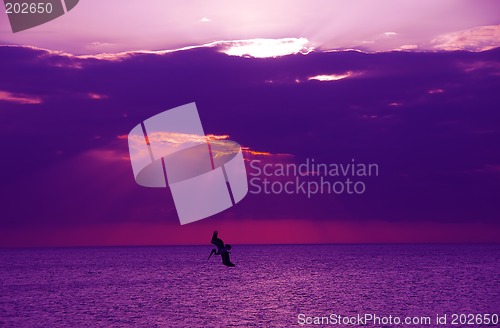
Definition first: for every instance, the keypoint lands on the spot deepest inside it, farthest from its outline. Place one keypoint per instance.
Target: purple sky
(429, 119)
(96, 26)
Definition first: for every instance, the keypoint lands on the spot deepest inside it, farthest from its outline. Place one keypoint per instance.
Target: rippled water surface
(270, 285)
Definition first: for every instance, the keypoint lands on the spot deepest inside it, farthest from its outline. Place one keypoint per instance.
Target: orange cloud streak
(19, 98)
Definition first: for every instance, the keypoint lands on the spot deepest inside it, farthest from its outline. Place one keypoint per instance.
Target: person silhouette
(222, 250)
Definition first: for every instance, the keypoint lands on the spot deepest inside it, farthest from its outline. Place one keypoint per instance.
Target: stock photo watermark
(310, 177)
(170, 149)
(26, 14)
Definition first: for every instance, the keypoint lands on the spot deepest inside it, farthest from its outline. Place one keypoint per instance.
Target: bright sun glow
(266, 48)
(330, 77)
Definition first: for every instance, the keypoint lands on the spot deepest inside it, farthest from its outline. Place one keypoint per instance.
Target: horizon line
(3, 248)
(218, 46)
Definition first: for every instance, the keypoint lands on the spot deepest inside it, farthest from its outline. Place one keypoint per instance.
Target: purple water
(269, 287)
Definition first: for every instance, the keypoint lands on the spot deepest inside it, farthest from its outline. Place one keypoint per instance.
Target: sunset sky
(122, 25)
(409, 85)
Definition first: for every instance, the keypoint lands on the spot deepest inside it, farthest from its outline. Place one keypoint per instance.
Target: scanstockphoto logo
(206, 175)
(24, 14)
(310, 177)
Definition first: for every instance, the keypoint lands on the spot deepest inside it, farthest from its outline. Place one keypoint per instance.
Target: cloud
(331, 24)
(96, 96)
(330, 77)
(488, 168)
(484, 65)
(266, 48)
(333, 121)
(476, 39)
(408, 47)
(255, 154)
(19, 98)
(256, 48)
(174, 140)
(434, 91)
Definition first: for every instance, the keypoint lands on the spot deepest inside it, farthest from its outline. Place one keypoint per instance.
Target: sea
(270, 286)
